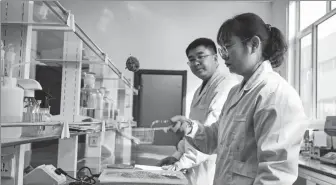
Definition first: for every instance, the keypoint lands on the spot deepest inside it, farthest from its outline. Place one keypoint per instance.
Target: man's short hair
(208, 43)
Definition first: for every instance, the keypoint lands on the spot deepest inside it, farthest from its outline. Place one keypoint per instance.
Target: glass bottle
(88, 96)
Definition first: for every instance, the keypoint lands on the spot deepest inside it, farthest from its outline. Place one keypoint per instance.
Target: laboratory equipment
(168, 122)
(88, 96)
(30, 106)
(44, 106)
(9, 60)
(319, 141)
(138, 176)
(330, 125)
(42, 175)
(330, 152)
(11, 100)
(2, 62)
(307, 140)
(107, 112)
(11, 95)
(100, 103)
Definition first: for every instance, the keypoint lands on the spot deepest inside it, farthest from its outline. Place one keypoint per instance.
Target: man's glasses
(199, 58)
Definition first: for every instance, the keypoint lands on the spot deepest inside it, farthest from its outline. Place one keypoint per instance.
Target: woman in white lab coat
(206, 106)
(258, 135)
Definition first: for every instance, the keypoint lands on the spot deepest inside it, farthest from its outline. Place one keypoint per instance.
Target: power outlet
(93, 141)
(7, 164)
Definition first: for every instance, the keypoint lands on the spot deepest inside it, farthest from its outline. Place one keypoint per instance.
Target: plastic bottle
(11, 107)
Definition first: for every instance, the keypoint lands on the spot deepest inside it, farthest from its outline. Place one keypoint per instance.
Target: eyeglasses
(223, 50)
(199, 58)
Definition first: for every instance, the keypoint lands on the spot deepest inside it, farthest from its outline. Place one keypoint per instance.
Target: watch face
(333, 156)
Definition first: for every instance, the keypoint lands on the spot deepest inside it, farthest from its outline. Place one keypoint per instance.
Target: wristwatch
(190, 125)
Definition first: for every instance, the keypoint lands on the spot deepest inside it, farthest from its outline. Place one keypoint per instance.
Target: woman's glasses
(223, 50)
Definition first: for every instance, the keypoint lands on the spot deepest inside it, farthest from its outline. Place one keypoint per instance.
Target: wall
(157, 33)
(280, 20)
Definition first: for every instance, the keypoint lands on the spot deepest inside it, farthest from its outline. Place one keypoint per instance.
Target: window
(292, 20)
(306, 76)
(333, 4)
(315, 73)
(326, 69)
(310, 11)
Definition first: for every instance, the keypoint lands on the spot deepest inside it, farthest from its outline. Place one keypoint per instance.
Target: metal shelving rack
(22, 23)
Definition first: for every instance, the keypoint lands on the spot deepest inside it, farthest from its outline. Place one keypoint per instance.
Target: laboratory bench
(140, 154)
(313, 172)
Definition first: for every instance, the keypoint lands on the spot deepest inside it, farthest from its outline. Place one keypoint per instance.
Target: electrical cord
(80, 180)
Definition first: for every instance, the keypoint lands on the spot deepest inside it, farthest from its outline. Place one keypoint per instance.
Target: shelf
(122, 123)
(45, 33)
(45, 15)
(85, 123)
(55, 123)
(91, 52)
(24, 140)
(125, 83)
(5, 142)
(49, 21)
(22, 124)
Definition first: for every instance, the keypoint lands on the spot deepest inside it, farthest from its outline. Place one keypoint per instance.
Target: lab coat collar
(198, 94)
(255, 79)
(209, 82)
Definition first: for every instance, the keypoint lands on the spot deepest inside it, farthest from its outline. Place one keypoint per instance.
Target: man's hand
(136, 140)
(181, 124)
(167, 161)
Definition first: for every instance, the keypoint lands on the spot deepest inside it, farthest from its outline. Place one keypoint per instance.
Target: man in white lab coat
(206, 106)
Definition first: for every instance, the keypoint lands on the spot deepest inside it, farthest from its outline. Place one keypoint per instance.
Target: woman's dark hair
(247, 25)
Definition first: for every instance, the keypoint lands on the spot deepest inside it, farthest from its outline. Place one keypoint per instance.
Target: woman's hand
(182, 124)
(172, 167)
(167, 161)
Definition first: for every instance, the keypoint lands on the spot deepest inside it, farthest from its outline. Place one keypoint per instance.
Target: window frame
(296, 41)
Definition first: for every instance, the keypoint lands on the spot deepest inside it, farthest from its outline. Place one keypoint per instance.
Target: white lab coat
(205, 107)
(257, 138)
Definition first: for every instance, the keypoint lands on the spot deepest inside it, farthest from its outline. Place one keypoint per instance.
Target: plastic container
(11, 107)
(107, 106)
(2, 62)
(145, 135)
(31, 106)
(88, 96)
(100, 103)
(10, 56)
